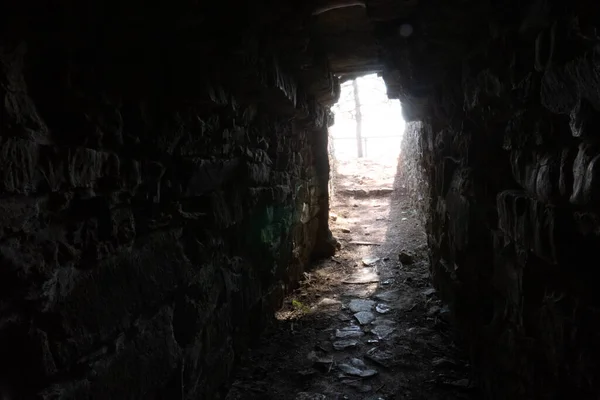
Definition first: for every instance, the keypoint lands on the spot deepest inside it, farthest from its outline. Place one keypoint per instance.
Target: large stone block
(585, 174)
(532, 225)
(458, 209)
(86, 166)
(559, 93)
(547, 180)
(53, 167)
(525, 167)
(565, 183)
(584, 72)
(18, 112)
(18, 161)
(540, 173)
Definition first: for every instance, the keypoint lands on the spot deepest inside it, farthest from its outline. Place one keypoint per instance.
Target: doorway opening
(365, 140)
(367, 124)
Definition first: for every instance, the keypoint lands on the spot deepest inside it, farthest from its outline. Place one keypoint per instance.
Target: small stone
(349, 332)
(344, 344)
(364, 317)
(382, 309)
(381, 357)
(429, 292)
(357, 305)
(367, 373)
(405, 257)
(382, 331)
(351, 370)
(345, 230)
(387, 282)
(357, 362)
(369, 261)
(326, 301)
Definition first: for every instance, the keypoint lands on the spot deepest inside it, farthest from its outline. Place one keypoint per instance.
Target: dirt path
(365, 324)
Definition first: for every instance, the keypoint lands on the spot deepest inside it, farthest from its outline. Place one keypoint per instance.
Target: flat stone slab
(329, 302)
(368, 261)
(383, 321)
(344, 344)
(383, 331)
(356, 370)
(364, 317)
(357, 305)
(349, 332)
(384, 358)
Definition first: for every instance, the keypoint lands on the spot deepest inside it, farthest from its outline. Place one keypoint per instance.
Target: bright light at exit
(381, 123)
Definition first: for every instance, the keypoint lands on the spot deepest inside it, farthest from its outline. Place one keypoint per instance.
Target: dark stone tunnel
(164, 182)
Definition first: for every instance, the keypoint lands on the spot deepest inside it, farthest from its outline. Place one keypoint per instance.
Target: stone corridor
(164, 196)
(366, 323)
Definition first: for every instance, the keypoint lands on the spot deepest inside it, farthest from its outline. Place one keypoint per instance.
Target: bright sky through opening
(382, 123)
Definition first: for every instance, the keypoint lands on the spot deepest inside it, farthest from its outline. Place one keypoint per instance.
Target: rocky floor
(365, 324)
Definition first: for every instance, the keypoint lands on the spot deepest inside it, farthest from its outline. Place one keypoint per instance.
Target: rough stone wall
(411, 175)
(510, 140)
(160, 191)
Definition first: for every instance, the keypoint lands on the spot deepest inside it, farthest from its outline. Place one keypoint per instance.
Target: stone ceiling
(410, 43)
